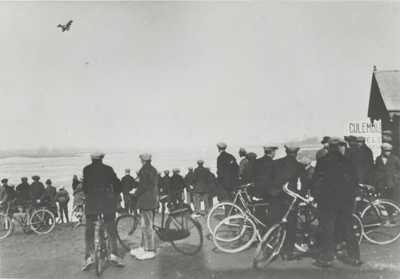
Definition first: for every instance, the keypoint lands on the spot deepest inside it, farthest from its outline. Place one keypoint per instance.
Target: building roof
(385, 94)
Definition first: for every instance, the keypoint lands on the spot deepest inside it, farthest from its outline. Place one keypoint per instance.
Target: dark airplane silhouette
(66, 26)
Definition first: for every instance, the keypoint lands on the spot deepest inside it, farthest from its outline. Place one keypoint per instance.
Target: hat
(361, 139)
(166, 171)
(62, 187)
(387, 146)
(325, 140)
(24, 178)
(200, 162)
(97, 155)
(48, 181)
(387, 132)
(350, 139)
(190, 168)
(242, 150)
(304, 161)
(222, 145)
(4, 180)
(292, 147)
(127, 170)
(251, 155)
(36, 177)
(270, 148)
(145, 156)
(337, 141)
(176, 170)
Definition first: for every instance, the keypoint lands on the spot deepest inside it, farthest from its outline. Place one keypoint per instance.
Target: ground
(59, 254)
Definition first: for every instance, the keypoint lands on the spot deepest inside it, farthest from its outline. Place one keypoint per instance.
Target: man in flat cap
(285, 170)
(263, 173)
(243, 162)
(334, 185)
(51, 192)
(248, 175)
(306, 174)
(176, 186)
(387, 171)
(189, 186)
(102, 188)
(212, 188)
(37, 191)
(322, 152)
(128, 184)
(200, 190)
(227, 172)
(358, 157)
(11, 195)
(369, 177)
(147, 195)
(23, 191)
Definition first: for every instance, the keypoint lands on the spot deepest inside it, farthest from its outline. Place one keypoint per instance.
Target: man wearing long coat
(102, 188)
(201, 184)
(227, 172)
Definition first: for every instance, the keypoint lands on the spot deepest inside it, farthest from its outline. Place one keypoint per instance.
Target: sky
(171, 74)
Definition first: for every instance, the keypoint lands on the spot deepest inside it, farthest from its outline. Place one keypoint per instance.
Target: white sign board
(372, 134)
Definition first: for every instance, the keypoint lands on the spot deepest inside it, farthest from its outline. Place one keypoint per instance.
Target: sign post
(372, 134)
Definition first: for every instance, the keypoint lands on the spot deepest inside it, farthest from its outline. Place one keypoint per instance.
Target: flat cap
(24, 178)
(48, 181)
(325, 139)
(361, 139)
(166, 171)
(127, 170)
(190, 168)
(4, 180)
(242, 150)
(337, 141)
(292, 147)
(350, 139)
(145, 156)
(251, 156)
(387, 132)
(270, 148)
(222, 145)
(387, 146)
(36, 177)
(304, 161)
(176, 170)
(200, 162)
(97, 155)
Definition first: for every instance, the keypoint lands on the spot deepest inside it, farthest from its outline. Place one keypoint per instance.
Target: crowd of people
(341, 165)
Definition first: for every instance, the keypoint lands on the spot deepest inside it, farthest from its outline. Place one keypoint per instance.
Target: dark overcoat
(263, 176)
(201, 180)
(147, 191)
(360, 160)
(189, 180)
(334, 182)
(11, 194)
(212, 185)
(37, 191)
(177, 183)
(101, 187)
(51, 192)
(227, 171)
(284, 170)
(387, 177)
(23, 192)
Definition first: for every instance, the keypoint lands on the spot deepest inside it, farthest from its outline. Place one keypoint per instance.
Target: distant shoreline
(32, 155)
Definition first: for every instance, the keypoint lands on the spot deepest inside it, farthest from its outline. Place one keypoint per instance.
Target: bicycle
(272, 242)
(40, 220)
(241, 203)
(380, 217)
(180, 229)
(77, 215)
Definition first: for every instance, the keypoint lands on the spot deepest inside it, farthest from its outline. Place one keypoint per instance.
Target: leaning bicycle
(179, 228)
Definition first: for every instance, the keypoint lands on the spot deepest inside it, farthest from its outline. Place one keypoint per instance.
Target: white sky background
(141, 74)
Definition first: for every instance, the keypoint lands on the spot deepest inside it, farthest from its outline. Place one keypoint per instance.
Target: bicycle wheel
(381, 222)
(219, 212)
(307, 224)
(269, 247)
(128, 230)
(6, 226)
(234, 234)
(42, 221)
(77, 215)
(358, 227)
(187, 232)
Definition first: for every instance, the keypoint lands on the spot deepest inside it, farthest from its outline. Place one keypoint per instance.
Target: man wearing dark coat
(128, 183)
(369, 177)
(322, 152)
(306, 174)
(102, 188)
(23, 191)
(387, 172)
(147, 195)
(176, 186)
(285, 170)
(227, 172)
(37, 191)
(189, 186)
(165, 182)
(51, 191)
(11, 195)
(200, 190)
(358, 157)
(334, 185)
(212, 188)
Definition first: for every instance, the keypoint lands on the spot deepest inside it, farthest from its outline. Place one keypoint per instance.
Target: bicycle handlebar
(293, 194)
(369, 187)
